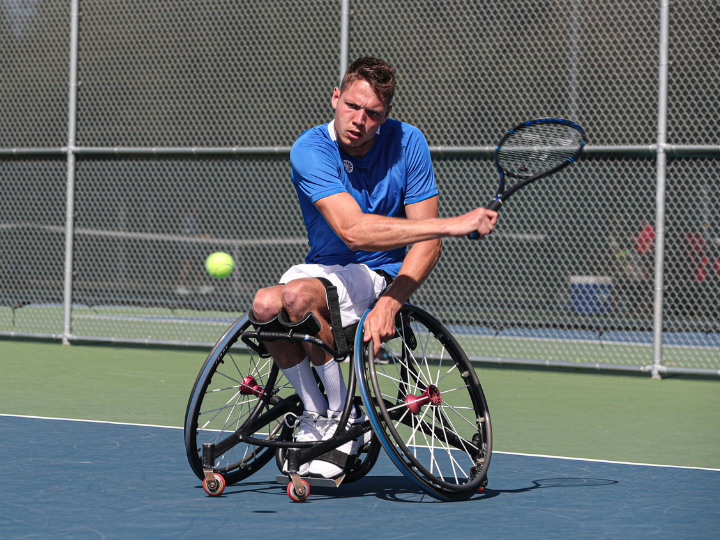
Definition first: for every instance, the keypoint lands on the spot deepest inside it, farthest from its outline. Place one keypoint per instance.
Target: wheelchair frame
(256, 403)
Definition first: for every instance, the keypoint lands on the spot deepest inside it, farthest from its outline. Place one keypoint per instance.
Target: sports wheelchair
(424, 404)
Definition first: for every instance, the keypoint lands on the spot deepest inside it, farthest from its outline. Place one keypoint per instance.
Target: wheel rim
(435, 417)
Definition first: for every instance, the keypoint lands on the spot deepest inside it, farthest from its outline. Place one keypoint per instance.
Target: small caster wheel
(217, 489)
(483, 485)
(294, 496)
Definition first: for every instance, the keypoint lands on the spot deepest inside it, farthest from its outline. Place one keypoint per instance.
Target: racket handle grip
(494, 205)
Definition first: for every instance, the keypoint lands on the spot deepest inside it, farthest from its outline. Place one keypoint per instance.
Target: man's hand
(480, 220)
(380, 323)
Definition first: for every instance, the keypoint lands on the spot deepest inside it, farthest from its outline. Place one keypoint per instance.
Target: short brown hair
(377, 73)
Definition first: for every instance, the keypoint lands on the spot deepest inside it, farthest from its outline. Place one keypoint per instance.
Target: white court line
(89, 421)
(419, 446)
(608, 461)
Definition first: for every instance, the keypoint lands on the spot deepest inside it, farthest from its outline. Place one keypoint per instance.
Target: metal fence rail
(138, 138)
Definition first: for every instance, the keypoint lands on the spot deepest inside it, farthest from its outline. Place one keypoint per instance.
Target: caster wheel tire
(483, 485)
(217, 489)
(294, 496)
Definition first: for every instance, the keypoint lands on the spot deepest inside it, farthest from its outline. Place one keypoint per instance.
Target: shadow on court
(64, 479)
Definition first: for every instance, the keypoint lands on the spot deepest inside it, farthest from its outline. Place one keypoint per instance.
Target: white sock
(303, 381)
(332, 378)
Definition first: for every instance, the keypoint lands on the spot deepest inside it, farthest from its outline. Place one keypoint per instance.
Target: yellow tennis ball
(219, 265)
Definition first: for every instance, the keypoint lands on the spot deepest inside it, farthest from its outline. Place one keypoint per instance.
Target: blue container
(591, 295)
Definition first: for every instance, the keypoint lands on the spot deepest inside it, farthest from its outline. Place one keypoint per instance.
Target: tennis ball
(219, 265)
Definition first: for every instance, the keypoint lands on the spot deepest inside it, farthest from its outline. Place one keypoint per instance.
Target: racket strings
(538, 148)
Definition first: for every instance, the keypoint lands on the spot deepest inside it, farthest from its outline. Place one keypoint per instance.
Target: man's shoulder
(402, 131)
(312, 145)
(317, 135)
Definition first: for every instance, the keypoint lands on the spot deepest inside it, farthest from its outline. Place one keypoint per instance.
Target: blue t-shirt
(396, 171)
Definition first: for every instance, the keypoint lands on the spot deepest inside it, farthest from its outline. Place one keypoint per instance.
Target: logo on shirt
(348, 165)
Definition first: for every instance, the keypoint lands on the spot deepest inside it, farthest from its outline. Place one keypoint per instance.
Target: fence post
(660, 210)
(70, 198)
(344, 37)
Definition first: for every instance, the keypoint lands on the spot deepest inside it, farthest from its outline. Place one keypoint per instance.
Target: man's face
(359, 113)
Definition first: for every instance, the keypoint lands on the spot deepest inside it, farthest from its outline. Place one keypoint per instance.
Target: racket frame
(502, 195)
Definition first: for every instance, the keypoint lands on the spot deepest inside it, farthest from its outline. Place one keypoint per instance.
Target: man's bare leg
(267, 304)
(291, 359)
(298, 298)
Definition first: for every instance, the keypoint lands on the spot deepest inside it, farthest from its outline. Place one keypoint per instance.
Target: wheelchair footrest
(312, 482)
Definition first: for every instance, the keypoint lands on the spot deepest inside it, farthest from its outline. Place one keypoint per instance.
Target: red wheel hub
(249, 386)
(431, 395)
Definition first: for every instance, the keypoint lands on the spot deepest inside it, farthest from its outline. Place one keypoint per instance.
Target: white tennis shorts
(357, 286)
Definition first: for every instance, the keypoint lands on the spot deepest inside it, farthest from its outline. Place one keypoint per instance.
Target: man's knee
(267, 303)
(302, 295)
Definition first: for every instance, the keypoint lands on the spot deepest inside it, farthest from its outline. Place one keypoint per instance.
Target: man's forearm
(371, 232)
(381, 233)
(419, 262)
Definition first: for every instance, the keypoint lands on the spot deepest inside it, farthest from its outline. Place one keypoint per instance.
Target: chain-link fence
(172, 141)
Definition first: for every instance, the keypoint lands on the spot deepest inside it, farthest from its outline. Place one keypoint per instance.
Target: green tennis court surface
(688, 349)
(607, 417)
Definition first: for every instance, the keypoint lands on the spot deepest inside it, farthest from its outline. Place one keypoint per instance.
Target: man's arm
(371, 232)
(422, 229)
(419, 262)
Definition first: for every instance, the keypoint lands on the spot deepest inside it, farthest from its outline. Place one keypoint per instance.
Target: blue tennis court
(86, 480)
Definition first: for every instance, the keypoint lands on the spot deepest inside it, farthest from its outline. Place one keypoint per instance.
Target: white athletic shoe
(328, 426)
(307, 430)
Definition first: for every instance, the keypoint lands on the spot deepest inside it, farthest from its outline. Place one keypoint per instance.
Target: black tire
(217, 407)
(445, 445)
(368, 456)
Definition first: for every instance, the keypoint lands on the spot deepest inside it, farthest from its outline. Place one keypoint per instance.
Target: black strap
(333, 302)
(339, 458)
(387, 277)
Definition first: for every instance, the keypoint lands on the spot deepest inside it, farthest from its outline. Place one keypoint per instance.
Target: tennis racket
(532, 150)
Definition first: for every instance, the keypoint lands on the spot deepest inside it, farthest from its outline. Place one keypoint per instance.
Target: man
(367, 190)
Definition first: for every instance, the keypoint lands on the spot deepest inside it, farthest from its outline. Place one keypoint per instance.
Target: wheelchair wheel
(426, 406)
(234, 383)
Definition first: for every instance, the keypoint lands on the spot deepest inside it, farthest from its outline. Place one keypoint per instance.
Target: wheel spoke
(402, 418)
(389, 397)
(448, 373)
(453, 461)
(452, 408)
(219, 410)
(417, 372)
(397, 382)
(454, 389)
(432, 447)
(442, 353)
(424, 356)
(227, 377)
(401, 405)
(221, 389)
(455, 432)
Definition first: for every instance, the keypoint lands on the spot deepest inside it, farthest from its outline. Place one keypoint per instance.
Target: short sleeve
(420, 174)
(315, 169)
